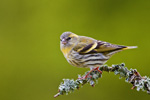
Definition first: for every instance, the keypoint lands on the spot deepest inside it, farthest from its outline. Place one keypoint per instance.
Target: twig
(131, 76)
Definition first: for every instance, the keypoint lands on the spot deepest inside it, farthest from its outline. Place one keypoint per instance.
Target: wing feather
(88, 45)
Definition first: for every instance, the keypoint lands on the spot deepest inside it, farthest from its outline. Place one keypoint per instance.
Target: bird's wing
(85, 45)
(88, 45)
(108, 48)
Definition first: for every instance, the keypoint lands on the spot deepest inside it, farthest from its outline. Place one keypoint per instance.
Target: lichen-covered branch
(131, 76)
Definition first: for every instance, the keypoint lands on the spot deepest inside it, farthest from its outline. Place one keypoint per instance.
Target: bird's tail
(129, 47)
(121, 49)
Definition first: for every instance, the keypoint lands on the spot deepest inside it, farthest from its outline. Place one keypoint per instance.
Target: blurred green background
(32, 65)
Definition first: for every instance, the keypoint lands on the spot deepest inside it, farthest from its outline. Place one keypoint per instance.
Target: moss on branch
(131, 76)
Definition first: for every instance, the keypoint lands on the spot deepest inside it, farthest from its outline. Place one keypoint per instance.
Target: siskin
(86, 52)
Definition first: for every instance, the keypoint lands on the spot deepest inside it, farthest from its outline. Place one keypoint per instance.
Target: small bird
(86, 52)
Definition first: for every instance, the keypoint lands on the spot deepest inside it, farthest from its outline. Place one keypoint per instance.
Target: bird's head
(68, 39)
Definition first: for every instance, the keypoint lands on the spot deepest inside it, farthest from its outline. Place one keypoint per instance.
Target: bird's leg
(92, 69)
(97, 68)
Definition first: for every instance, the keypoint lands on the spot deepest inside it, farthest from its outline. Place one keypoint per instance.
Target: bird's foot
(88, 74)
(97, 68)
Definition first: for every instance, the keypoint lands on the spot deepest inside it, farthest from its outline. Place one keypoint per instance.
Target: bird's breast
(74, 58)
(66, 51)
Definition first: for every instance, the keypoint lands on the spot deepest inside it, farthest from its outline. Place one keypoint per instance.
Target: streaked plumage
(82, 51)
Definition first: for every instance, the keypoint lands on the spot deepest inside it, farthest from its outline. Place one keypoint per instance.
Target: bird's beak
(63, 41)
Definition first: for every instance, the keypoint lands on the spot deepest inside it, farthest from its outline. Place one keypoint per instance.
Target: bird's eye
(68, 38)
(60, 40)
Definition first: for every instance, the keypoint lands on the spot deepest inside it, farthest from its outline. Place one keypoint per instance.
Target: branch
(131, 76)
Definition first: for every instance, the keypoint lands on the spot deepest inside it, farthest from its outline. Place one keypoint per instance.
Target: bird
(87, 52)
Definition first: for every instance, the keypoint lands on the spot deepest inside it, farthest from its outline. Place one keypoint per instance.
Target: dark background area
(32, 65)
